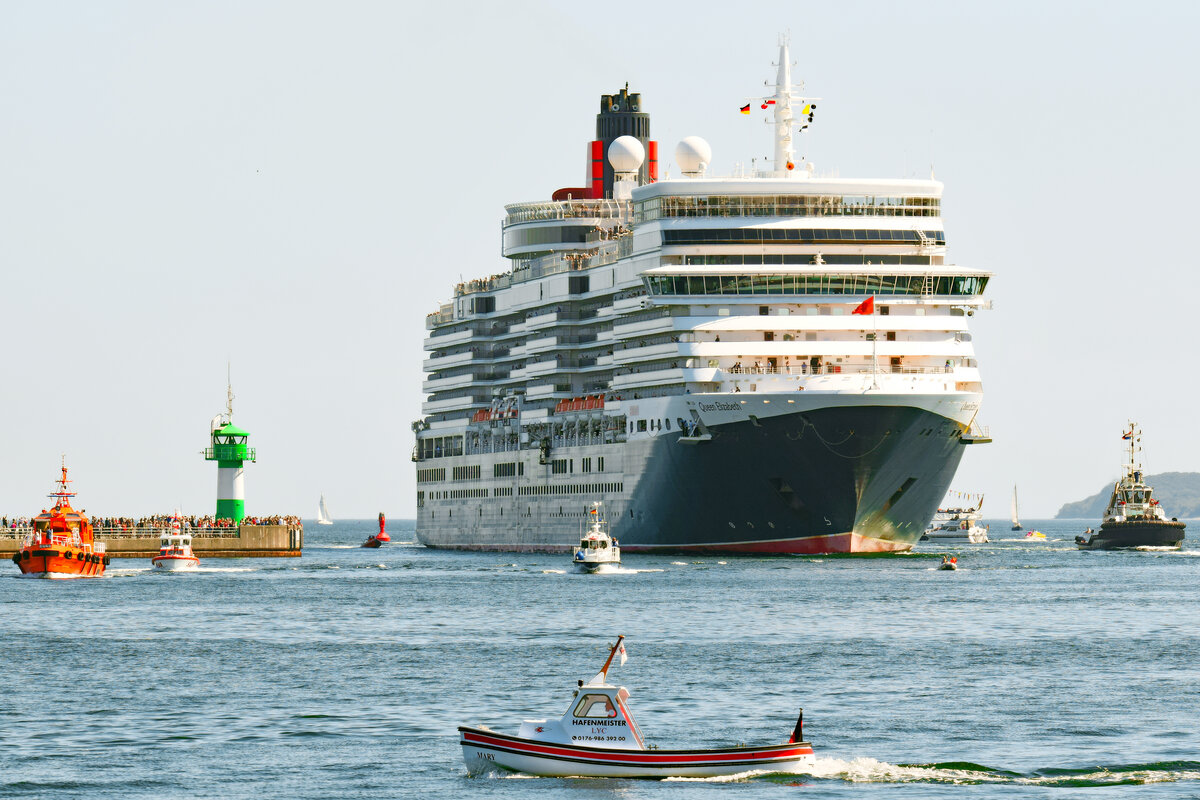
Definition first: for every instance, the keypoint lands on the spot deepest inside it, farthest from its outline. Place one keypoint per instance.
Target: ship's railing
(518, 213)
(229, 452)
(805, 368)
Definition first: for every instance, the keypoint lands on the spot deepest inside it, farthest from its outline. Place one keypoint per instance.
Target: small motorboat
(959, 523)
(175, 551)
(949, 563)
(1035, 535)
(597, 738)
(372, 541)
(383, 534)
(597, 552)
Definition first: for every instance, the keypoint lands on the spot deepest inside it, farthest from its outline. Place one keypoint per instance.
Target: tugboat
(1133, 518)
(61, 544)
(958, 524)
(598, 552)
(175, 551)
(597, 738)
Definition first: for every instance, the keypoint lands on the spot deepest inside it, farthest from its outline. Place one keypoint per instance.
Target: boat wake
(869, 770)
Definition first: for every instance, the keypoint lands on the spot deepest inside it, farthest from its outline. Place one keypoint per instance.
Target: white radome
(693, 155)
(626, 154)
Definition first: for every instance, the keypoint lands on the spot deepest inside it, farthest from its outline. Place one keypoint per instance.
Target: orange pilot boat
(61, 544)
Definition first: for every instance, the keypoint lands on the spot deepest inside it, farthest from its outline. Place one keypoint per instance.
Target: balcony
(541, 345)
(229, 452)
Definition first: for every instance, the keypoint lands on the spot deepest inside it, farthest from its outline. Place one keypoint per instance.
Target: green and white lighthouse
(230, 452)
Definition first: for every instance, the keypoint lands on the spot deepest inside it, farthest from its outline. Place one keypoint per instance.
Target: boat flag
(1128, 435)
(745, 109)
(866, 306)
(624, 657)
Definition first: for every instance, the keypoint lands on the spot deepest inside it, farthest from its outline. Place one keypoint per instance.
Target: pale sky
(293, 186)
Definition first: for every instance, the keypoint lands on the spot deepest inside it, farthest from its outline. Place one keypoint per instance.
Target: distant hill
(1179, 493)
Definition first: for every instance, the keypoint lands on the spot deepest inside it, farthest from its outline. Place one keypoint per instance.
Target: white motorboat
(959, 523)
(597, 551)
(597, 737)
(175, 551)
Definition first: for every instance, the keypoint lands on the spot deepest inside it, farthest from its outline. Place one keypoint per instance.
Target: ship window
(641, 425)
(595, 706)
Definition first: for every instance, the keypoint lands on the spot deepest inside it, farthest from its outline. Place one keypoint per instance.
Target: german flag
(745, 109)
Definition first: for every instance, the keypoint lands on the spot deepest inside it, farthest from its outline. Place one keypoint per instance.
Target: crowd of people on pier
(160, 521)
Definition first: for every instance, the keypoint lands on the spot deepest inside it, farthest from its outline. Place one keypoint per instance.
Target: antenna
(228, 393)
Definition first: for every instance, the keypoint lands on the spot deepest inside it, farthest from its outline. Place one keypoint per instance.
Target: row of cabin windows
(523, 491)
(571, 488)
(822, 284)
(644, 425)
(799, 236)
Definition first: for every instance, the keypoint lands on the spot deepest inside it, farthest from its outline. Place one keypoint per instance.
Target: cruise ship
(768, 362)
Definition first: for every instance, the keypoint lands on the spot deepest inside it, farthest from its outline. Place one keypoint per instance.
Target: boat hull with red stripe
(485, 751)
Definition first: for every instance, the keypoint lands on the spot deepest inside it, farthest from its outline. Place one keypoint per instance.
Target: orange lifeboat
(61, 544)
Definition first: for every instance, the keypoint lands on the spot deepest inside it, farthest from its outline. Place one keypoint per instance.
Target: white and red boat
(597, 737)
(175, 551)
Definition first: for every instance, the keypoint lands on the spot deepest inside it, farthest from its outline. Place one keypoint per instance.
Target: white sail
(323, 517)
(1016, 521)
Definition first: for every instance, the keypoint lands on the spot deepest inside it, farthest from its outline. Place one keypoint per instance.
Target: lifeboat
(61, 544)
(597, 738)
(175, 551)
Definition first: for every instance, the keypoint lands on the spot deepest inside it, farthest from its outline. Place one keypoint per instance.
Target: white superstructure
(680, 308)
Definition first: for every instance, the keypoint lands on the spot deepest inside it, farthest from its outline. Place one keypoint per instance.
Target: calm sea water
(1033, 671)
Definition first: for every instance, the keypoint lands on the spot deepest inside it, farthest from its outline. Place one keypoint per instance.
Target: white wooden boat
(597, 737)
(323, 517)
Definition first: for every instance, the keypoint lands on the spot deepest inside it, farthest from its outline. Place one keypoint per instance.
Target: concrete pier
(248, 541)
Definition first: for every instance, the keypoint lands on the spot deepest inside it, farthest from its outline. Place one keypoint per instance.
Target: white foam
(734, 778)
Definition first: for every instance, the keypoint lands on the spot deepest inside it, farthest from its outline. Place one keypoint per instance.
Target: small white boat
(323, 517)
(175, 551)
(1016, 521)
(959, 523)
(597, 551)
(597, 737)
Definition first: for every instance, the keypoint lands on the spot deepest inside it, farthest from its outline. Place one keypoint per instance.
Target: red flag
(866, 306)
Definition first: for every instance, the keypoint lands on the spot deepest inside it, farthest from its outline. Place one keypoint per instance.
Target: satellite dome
(693, 155)
(626, 154)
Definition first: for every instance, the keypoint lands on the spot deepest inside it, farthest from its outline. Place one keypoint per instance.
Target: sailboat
(1016, 522)
(323, 513)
